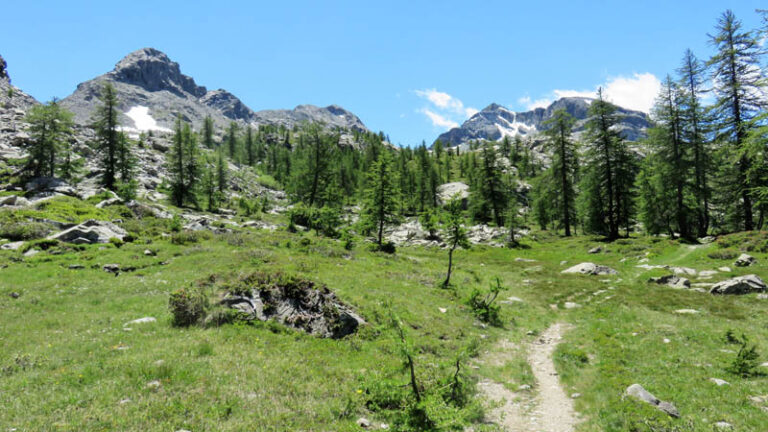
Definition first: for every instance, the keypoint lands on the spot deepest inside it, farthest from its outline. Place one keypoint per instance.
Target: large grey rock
(50, 184)
(637, 392)
(589, 268)
(674, 281)
(90, 231)
(447, 191)
(14, 200)
(745, 260)
(298, 304)
(739, 285)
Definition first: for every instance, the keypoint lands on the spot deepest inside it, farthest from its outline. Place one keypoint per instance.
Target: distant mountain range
(495, 122)
(152, 91)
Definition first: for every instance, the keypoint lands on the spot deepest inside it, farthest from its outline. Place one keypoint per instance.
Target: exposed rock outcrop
(589, 268)
(90, 231)
(739, 285)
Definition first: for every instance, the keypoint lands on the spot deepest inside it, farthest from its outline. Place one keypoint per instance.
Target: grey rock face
(447, 191)
(494, 122)
(593, 269)
(90, 231)
(739, 285)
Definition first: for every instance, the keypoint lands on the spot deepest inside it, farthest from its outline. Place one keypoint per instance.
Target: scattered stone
(687, 311)
(154, 385)
(671, 280)
(706, 274)
(141, 321)
(683, 270)
(109, 202)
(575, 395)
(442, 310)
(562, 263)
(14, 295)
(89, 232)
(363, 422)
(148, 252)
(719, 382)
(12, 245)
(762, 296)
(111, 268)
(595, 250)
(707, 239)
(571, 305)
(666, 341)
(637, 391)
(723, 425)
(724, 269)
(589, 268)
(31, 252)
(739, 285)
(745, 260)
(76, 267)
(524, 387)
(515, 299)
(124, 401)
(14, 200)
(518, 259)
(50, 184)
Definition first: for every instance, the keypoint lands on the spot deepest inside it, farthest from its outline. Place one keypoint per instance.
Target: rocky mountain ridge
(495, 122)
(152, 91)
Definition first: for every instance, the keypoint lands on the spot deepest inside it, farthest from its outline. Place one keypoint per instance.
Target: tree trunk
(450, 265)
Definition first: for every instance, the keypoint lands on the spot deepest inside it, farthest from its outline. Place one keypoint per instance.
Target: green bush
(325, 220)
(747, 359)
(118, 243)
(725, 254)
(187, 306)
(186, 237)
(483, 304)
(23, 231)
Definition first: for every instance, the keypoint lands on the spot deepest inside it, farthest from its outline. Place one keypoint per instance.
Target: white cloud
(636, 92)
(439, 120)
(446, 111)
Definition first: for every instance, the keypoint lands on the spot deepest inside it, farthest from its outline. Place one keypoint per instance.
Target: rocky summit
(496, 122)
(152, 91)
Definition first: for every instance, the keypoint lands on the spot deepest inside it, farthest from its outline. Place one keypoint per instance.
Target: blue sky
(409, 68)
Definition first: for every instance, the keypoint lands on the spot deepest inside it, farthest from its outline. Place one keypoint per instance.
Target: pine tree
(208, 132)
(454, 234)
(317, 152)
(563, 149)
(222, 174)
(382, 196)
(610, 173)
(672, 163)
(184, 165)
(490, 197)
(232, 140)
(249, 147)
(694, 122)
(106, 126)
(739, 82)
(50, 127)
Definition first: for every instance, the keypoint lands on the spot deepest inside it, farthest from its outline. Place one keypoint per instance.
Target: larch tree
(382, 198)
(207, 132)
(50, 128)
(454, 234)
(739, 84)
(563, 169)
(107, 128)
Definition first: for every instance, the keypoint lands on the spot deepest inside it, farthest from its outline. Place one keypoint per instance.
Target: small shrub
(186, 237)
(387, 247)
(747, 359)
(175, 224)
(23, 231)
(482, 304)
(116, 242)
(725, 254)
(44, 244)
(187, 306)
(305, 241)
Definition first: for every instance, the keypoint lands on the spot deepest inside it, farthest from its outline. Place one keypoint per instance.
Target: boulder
(12, 245)
(637, 391)
(745, 260)
(739, 285)
(14, 200)
(589, 268)
(141, 210)
(595, 250)
(447, 191)
(89, 232)
(671, 280)
(296, 303)
(50, 184)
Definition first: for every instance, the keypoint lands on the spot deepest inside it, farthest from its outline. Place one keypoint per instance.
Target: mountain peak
(493, 107)
(153, 70)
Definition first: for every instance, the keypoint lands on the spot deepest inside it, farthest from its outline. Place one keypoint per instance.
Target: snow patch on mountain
(142, 121)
